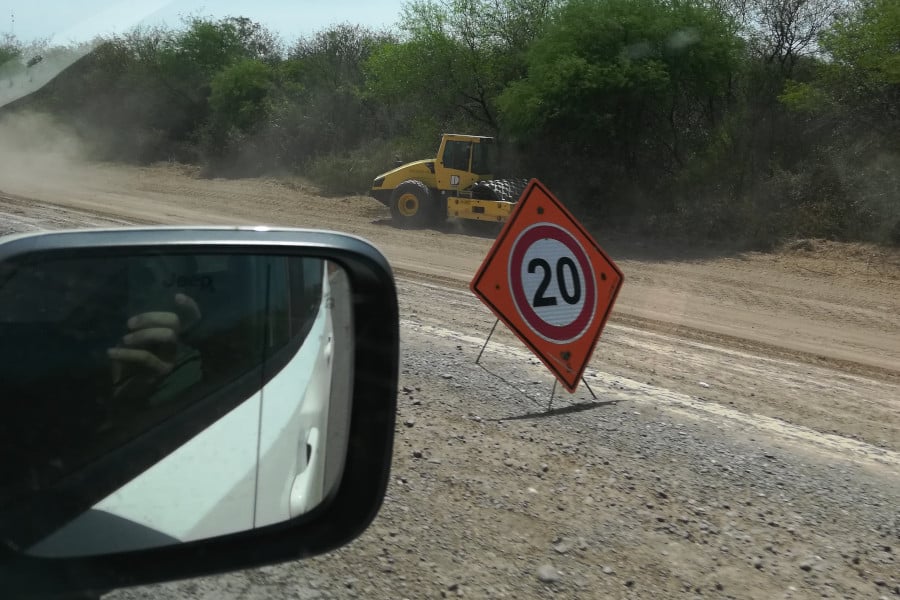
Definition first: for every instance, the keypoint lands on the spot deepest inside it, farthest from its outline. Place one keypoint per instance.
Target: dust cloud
(37, 152)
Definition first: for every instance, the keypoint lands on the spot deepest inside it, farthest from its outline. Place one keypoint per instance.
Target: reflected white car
(276, 455)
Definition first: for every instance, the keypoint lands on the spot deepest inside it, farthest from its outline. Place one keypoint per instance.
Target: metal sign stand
(555, 381)
(490, 335)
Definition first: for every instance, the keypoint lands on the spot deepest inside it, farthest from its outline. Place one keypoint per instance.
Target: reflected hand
(152, 341)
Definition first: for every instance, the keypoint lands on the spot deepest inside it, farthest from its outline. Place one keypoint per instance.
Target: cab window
(456, 155)
(482, 158)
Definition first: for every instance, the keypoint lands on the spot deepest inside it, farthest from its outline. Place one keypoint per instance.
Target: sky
(64, 21)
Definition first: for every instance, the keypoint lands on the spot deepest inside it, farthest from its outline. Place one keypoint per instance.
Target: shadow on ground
(563, 410)
(547, 403)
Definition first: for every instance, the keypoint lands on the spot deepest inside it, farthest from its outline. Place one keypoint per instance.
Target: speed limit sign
(550, 282)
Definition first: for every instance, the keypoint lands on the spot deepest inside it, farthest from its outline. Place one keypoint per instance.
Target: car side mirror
(183, 402)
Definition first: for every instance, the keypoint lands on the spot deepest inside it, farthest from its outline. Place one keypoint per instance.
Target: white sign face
(454, 180)
(552, 282)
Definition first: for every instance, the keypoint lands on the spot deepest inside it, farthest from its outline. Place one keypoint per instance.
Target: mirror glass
(154, 398)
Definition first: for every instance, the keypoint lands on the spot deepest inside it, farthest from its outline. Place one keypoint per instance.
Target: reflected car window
(99, 349)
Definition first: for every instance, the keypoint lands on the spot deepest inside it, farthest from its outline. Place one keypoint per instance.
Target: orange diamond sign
(550, 282)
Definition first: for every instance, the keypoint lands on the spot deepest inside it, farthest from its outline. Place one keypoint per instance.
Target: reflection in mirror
(158, 398)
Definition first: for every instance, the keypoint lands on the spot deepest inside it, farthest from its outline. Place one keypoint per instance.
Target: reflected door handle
(304, 495)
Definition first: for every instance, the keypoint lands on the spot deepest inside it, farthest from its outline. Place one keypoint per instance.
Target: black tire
(438, 212)
(505, 190)
(412, 204)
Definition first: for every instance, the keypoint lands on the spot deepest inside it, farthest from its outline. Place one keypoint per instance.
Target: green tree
(10, 48)
(624, 88)
(330, 68)
(182, 63)
(317, 105)
(864, 70)
(783, 32)
(849, 109)
(455, 58)
(239, 106)
(238, 95)
(10, 59)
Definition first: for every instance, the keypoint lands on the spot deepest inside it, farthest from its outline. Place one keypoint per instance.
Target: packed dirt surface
(745, 442)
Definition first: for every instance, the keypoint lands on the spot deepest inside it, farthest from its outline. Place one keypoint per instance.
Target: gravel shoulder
(645, 494)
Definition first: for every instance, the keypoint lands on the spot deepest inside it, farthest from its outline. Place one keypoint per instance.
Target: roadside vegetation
(749, 120)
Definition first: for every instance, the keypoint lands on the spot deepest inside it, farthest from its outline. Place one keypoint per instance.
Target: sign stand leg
(555, 381)
(490, 335)
(553, 394)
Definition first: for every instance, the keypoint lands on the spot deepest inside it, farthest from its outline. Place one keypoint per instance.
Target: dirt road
(824, 304)
(746, 444)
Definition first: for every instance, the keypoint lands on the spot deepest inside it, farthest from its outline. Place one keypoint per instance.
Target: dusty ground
(746, 443)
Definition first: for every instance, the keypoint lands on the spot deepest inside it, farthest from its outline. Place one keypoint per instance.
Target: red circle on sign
(552, 333)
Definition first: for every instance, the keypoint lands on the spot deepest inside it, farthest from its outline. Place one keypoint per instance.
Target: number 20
(563, 264)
